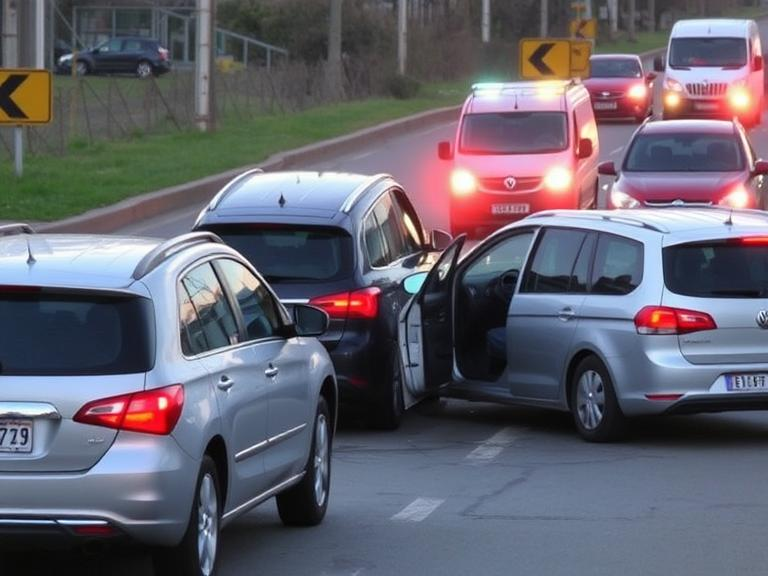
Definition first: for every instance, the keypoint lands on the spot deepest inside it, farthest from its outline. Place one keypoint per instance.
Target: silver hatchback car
(154, 391)
(605, 314)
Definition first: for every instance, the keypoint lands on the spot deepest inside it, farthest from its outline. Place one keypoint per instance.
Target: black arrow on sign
(7, 88)
(580, 28)
(537, 59)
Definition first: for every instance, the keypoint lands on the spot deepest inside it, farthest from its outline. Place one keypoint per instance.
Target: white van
(714, 68)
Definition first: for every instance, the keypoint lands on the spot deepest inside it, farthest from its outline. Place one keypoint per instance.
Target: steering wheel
(504, 286)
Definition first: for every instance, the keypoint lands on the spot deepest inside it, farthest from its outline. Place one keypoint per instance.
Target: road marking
(361, 156)
(418, 510)
(619, 149)
(492, 447)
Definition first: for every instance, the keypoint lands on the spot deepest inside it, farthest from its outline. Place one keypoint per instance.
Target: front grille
(525, 184)
(709, 89)
(601, 94)
(676, 202)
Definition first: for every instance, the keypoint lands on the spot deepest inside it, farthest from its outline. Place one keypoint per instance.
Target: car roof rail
(229, 186)
(358, 192)
(16, 228)
(170, 247)
(605, 217)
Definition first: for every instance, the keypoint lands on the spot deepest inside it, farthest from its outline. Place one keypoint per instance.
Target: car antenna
(281, 200)
(30, 257)
(729, 222)
(515, 100)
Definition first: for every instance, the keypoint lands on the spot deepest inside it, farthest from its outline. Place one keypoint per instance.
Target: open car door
(426, 328)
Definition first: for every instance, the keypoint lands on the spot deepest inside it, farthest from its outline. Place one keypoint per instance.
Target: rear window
(685, 153)
(514, 133)
(293, 254)
(719, 269)
(48, 334)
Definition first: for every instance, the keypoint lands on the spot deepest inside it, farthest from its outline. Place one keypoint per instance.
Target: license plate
(605, 105)
(510, 208)
(705, 105)
(15, 435)
(741, 382)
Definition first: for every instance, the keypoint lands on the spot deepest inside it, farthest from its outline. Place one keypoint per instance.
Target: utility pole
(631, 24)
(651, 15)
(335, 76)
(613, 17)
(402, 36)
(486, 25)
(40, 34)
(203, 65)
(544, 29)
(10, 34)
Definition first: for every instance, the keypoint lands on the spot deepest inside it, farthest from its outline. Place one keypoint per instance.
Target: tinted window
(580, 275)
(553, 261)
(391, 227)
(193, 340)
(506, 255)
(293, 253)
(692, 52)
(256, 303)
(514, 133)
(133, 46)
(214, 313)
(717, 269)
(111, 46)
(618, 265)
(73, 335)
(374, 242)
(409, 224)
(685, 153)
(614, 68)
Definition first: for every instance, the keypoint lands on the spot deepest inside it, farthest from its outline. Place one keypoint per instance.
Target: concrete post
(402, 36)
(486, 24)
(203, 68)
(40, 34)
(544, 24)
(10, 37)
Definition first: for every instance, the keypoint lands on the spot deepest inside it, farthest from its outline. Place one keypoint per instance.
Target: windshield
(514, 133)
(717, 269)
(292, 253)
(75, 334)
(614, 68)
(684, 153)
(719, 52)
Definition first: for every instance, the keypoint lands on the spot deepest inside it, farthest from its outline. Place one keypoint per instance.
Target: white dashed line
(616, 151)
(492, 447)
(418, 510)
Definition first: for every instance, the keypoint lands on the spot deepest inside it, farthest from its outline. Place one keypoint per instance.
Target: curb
(110, 218)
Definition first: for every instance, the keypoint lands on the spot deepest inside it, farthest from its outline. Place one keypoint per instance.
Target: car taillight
(163, 53)
(358, 304)
(153, 411)
(463, 182)
(638, 92)
(737, 198)
(754, 240)
(666, 320)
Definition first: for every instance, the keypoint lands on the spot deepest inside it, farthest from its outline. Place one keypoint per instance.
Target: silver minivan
(604, 314)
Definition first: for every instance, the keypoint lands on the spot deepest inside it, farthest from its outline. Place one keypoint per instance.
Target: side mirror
(444, 151)
(413, 283)
(585, 148)
(658, 64)
(650, 77)
(606, 168)
(757, 63)
(761, 168)
(309, 320)
(439, 240)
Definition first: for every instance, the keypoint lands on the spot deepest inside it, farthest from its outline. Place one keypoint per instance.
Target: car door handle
(566, 314)
(225, 383)
(271, 372)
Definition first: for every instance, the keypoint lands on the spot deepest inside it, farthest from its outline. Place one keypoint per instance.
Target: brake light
(463, 182)
(638, 92)
(736, 198)
(558, 179)
(152, 412)
(358, 304)
(666, 320)
(17, 289)
(754, 240)
(163, 53)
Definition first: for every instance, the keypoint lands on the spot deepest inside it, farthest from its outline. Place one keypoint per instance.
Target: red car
(688, 162)
(619, 88)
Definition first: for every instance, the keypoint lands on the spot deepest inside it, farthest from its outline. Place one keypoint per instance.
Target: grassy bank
(91, 176)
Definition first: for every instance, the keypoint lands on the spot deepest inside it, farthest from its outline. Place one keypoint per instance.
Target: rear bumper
(142, 487)
(624, 108)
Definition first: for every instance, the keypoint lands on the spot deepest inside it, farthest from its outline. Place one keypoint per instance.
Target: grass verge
(92, 176)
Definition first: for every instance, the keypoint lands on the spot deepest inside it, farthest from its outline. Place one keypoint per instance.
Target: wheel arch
(329, 392)
(576, 359)
(217, 450)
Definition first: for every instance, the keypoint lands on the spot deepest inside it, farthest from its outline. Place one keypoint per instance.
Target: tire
(596, 412)
(596, 196)
(305, 503)
(144, 69)
(197, 553)
(82, 68)
(386, 412)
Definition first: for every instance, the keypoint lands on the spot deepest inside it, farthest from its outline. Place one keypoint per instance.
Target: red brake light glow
(152, 412)
(358, 304)
(463, 182)
(754, 240)
(665, 320)
(638, 92)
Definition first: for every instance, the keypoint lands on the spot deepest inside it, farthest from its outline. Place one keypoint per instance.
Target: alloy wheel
(143, 70)
(322, 460)
(590, 399)
(207, 524)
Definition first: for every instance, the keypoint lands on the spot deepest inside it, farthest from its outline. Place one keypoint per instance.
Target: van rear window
(717, 269)
(513, 133)
(49, 334)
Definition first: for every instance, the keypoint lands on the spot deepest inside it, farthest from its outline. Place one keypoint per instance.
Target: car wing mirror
(585, 148)
(650, 77)
(413, 283)
(310, 320)
(439, 240)
(757, 63)
(606, 168)
(444, 151)
(761, 168)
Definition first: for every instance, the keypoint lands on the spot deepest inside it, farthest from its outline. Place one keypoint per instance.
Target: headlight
(672, 85)
(736, 198)
(621, 199)
(739, 97)
(558, 179)
(672, 99)
(638, 92)
(463, 182)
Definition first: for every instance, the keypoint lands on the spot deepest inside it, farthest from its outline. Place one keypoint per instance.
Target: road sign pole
(18, 150)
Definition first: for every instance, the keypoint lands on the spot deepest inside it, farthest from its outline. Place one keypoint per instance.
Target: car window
(554, 261)
(374, 242)
(618, 267)
(213, 311)
(113, 45)
(580, 275)
(514, 133)
(193, 340)
(409, 223)
(390, 222)
(133, 46)
(614, 68)
(256, 304)
(509, 254)
(685, 153)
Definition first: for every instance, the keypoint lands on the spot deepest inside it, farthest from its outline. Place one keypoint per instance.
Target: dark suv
(344, 243)
(129, 55)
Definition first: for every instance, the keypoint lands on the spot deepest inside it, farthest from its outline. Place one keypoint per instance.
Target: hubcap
(590, 399)
(81, 69)
(322, 461)
(207, 524)
(144, 70)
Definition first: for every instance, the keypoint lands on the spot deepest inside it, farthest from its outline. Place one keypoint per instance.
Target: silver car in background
(154, 391)
(603, 314)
